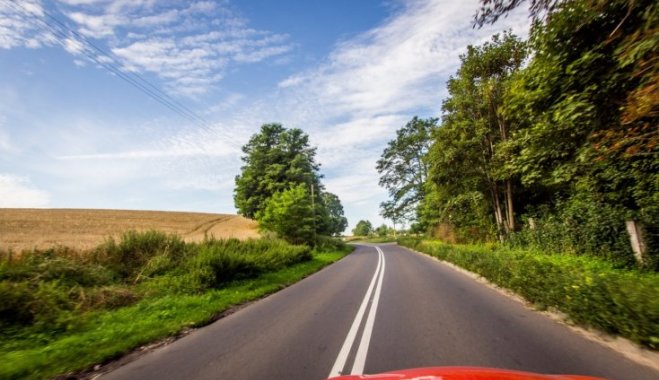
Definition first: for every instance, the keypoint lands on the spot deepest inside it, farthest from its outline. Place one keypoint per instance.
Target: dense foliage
(280, 170)
(589, 291)
(552, 142)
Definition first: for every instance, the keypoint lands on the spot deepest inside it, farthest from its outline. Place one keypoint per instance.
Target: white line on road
(360, 359)
(352, 333)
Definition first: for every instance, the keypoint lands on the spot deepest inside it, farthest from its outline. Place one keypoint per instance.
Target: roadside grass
(371, 239)
(591, 292)
(176, 286)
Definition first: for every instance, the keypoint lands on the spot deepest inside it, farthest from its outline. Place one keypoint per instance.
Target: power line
(62, 33)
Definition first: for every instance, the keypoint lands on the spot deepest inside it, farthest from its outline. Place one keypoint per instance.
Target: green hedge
(591, 292)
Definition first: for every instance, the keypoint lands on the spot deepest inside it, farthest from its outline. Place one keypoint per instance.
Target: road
(376, 310)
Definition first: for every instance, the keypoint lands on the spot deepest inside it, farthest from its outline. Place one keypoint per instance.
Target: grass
(173, 286)
(371, 239)
(591, 292)
(82, 229)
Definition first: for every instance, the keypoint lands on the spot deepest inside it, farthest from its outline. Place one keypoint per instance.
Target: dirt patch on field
(82, 229)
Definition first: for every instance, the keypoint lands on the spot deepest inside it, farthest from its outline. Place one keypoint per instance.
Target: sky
(145, 104)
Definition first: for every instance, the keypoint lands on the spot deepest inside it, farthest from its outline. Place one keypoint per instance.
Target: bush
(327, 243)
(134, 250)
(579, 226)
(221, 261)
(290, 214)
(589, 291)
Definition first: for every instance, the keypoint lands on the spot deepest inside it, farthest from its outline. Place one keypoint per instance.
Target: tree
(336, 222)
(289, 213)
(275, 160)
(467, 157)
(382, 231)
(388, 210)
(587, 110)
(403, 170)
(491, 10)
(363, 228)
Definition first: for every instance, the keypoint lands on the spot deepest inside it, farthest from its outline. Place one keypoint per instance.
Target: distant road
(427, 314)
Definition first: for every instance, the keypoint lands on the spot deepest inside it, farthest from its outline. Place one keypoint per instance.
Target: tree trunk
(509, 204)
(498, 215)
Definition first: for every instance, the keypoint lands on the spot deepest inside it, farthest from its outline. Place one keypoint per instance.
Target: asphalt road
(379, 310)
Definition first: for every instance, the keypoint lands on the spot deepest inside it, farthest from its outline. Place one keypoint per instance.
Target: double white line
(362, 351)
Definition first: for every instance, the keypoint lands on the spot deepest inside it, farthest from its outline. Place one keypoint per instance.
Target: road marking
(360, 359)
(352, 333)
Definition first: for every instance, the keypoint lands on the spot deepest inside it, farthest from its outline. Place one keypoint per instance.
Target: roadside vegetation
(546, 156)
(64, 310)
(364, 232)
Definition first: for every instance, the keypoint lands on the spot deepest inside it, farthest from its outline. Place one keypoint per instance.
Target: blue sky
(74, 134)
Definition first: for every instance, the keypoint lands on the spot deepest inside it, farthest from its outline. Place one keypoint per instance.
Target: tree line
(551, 142)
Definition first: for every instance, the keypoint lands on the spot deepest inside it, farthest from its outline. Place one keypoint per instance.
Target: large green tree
(276, 159)
(280, 169)
(363, 228)
(467, 159)
(403, 169)
(336, 221)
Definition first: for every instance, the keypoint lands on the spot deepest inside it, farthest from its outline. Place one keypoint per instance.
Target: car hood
(462, 373)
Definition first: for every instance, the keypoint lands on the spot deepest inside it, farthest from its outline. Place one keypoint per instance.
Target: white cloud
(401, 65)
(188, 46)
(19, 25)
(17, 191)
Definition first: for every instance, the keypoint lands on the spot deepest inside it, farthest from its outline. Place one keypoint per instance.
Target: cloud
(19, 25)
(17, 191)
(188, 45)
(401, 65)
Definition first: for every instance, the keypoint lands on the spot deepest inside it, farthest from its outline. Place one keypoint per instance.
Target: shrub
(290, 214)
(222, 261)
(589, 291)
(128, 256)
(327, 243)
(579, 226)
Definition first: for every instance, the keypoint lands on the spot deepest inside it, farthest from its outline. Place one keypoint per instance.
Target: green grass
(372, 239)
(591, 292)
(212, 277)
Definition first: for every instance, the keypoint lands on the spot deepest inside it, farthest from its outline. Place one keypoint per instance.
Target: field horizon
(42, 228)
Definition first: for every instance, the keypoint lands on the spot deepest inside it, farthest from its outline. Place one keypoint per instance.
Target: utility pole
(313, 211)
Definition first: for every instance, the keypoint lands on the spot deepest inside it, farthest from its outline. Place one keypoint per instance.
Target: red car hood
(462, 373)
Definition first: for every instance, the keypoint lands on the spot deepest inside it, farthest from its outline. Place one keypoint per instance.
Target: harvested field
(82, 229)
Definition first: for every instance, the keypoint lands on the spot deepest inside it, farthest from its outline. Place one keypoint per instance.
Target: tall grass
(48, 290)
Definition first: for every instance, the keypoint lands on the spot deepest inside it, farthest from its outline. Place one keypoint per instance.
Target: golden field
(82, 229)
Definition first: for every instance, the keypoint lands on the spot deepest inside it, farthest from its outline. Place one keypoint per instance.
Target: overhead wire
(62, 33)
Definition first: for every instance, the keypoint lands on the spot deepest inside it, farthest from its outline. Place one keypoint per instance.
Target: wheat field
(82, 229)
